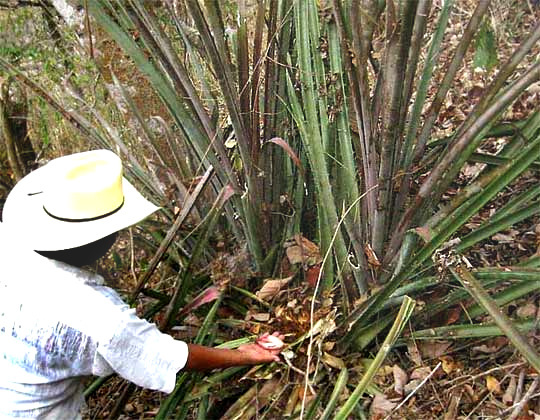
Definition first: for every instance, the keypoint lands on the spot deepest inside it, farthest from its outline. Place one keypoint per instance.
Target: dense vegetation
(308, 151)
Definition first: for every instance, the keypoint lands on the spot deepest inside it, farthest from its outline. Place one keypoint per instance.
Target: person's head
(84, 254)
(72, 208)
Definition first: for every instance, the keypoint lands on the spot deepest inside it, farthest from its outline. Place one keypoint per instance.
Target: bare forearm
(265, 350)
(207, 358)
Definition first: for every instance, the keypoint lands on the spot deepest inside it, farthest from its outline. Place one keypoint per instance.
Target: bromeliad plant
(301, 126)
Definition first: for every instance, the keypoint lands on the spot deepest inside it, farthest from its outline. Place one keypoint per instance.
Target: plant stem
(340, 384)
(456, 332)
(171, 234)
(476, 290)
(402, 318)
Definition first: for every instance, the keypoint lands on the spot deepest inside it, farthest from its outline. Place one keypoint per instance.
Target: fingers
(272, 343)
(278, 335)
(275, 334)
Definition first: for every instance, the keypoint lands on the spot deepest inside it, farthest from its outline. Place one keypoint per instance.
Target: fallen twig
(451, 413)
(473, 378)
(518, 407)
(477, 406)
(519, 388)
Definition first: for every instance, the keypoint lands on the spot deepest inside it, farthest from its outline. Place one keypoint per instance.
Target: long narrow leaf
(476, 290)
(469, 331)
(510, 294)
(492, 227)
(183, 278)
(188, 205)
(402, 318)
(340, 384)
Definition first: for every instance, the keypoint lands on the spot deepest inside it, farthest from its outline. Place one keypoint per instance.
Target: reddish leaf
(271, 288)
(208, 295)
(452, 315)
(285, 146)
(424, 233)
(312, 275)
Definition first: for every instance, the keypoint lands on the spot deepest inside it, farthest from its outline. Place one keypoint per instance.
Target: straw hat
(72, 201)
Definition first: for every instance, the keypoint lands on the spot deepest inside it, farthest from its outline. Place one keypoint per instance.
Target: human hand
(266, 349)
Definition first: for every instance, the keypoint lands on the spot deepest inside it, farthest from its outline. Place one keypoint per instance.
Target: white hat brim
(25, 217)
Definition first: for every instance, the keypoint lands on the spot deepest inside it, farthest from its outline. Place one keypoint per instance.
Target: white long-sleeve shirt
(58, 325)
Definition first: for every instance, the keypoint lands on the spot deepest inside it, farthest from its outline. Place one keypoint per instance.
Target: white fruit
(270, 342)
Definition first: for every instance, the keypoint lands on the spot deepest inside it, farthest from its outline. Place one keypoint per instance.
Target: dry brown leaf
(414, 353)
(302, 251)
(472, 170)
(373, 260)
(421, 372)
(527, 311)
(449, 365)
(509, 236)
(452, 315)
(261, 317)
(257, 316)
(285, 146)
(501, 237)
(493, 384)
(528, 416)
(381, 405)
(400, 379)
(470, 392)
(271, 288)
(491, 346)
(433, 349)
(333, 361)
(411, 386)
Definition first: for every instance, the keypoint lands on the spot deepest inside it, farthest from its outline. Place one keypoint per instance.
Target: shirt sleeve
(140, 353)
